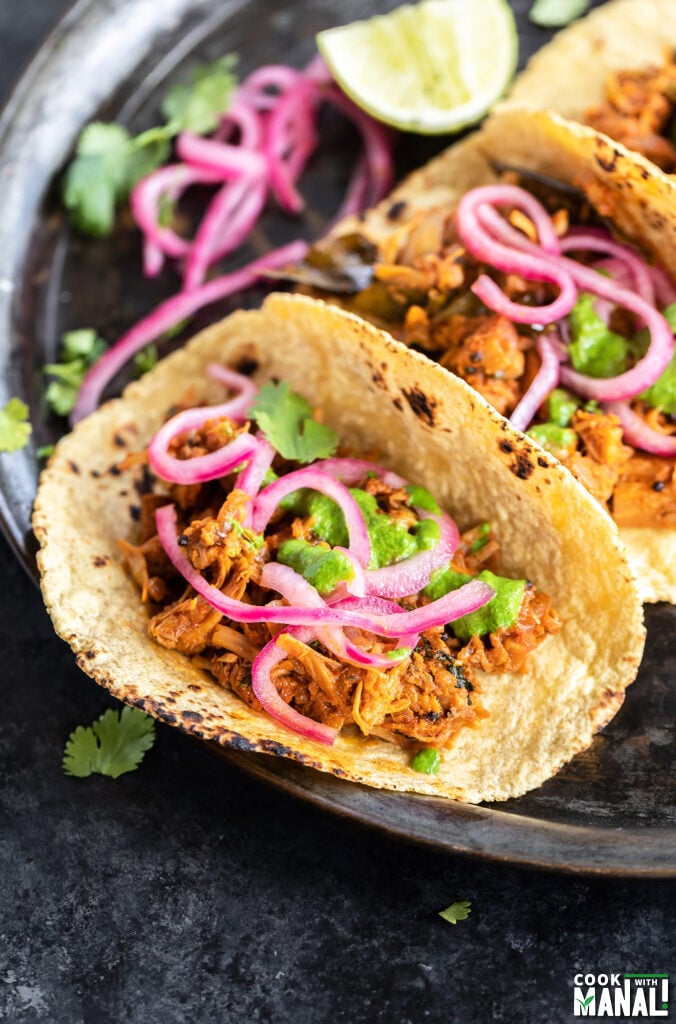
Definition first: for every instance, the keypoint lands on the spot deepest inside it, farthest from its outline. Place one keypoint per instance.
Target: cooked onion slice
(167, 315)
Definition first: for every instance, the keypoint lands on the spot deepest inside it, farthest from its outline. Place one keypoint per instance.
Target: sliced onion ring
(459, 602)
(271, 702)
(269, 498)
(544, 382)
(638, 434)
(213, 464)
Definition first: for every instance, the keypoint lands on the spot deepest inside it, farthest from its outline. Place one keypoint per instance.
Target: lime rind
(432, 68)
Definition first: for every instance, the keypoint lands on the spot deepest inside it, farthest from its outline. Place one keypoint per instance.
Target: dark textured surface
(187, 892)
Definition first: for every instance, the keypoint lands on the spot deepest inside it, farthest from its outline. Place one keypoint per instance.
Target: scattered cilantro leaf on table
(557, 13)
(114, 744)
(109, 161)
(286, 421)
(14, 426)
(79, 350)
(197, 106)
(456, 912)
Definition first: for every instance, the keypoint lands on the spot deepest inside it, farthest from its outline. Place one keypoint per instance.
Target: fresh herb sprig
(14, 426)
(79, 350)
(109, 161)
(112, 745)
(286, 421)
(459, 911)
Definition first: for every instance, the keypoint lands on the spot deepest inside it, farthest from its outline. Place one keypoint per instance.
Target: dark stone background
(186, 892)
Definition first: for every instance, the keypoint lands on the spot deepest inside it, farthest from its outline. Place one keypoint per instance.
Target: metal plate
(612, 809)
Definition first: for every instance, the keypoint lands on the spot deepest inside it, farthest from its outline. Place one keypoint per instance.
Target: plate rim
(84, 16)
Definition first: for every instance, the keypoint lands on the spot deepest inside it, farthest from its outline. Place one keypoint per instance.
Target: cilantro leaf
(556, 13)
(286, 421)
(14, 427)
(107, 165)
(456, 912)
(198, 106)
(146, 359)
(109, 161)
(45, 452)
(112, 745)
(79, 350)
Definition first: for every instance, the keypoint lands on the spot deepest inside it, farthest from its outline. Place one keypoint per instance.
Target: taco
(417, 261)
(614, 70)
(169, 615)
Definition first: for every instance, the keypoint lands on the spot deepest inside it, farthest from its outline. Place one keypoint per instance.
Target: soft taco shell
(568, 75)
(632, 193)
(433, 429)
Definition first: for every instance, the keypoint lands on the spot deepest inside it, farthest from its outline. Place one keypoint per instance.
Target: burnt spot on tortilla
(422, 405)
(94, 473)
(135, 513)
(115, 470)
(119, 441)
(89, 655)
(397, 403)
(522, 465)
(191, 716)
(506, 447)
(281, 750)
(397, 209)
(100, 560)
(608, 163)
(144, 484)
(74, 466)
(378, 379)
(238, 742)
(194, 687)
(542, 462)
(247, 366)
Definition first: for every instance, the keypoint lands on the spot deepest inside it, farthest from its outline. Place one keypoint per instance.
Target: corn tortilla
(428, 426)
(568, 75)
(631, 192)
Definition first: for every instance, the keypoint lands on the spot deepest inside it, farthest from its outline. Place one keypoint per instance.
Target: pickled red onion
(411, 575)
(545, 380)
(222, 158)
(295, 588)
(271, 702)
(531, 265)
(599, 241)
(638, 434)
(167, 182)
(167, 315)
(269, 498)
(202, 467)
(459, 602)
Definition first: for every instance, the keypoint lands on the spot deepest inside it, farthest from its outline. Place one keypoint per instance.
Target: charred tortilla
(379, 396)
(631, 193)
(569, 74)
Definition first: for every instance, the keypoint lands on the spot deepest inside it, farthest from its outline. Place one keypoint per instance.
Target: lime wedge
(430, 68)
